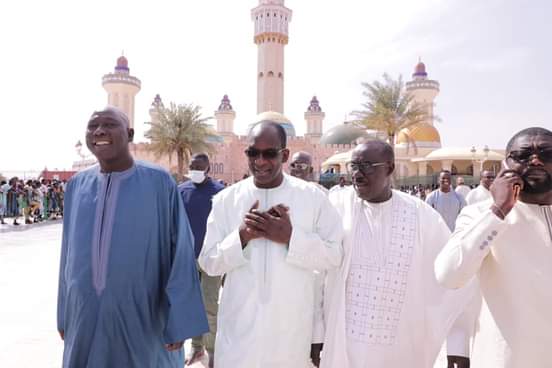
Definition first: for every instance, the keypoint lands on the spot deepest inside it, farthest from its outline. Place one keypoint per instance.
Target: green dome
(343, 134)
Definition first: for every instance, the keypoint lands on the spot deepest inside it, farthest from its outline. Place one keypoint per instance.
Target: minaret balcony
(422, 84)
(121, 78)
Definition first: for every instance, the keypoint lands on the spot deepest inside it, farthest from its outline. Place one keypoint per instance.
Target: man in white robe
(384, 307)
(507, 243)
(461, 187)
(481, 193)
(268, 234)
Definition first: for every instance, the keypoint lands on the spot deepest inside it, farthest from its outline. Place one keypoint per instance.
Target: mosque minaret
(122, 88)
(423, 90)
(271, 19)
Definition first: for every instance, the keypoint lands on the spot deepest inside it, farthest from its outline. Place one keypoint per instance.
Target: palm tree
(389, 108)
(182, 130)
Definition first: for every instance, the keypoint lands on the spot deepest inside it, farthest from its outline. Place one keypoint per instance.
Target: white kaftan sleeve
(476, 230)
(320, 249)
(222, 250)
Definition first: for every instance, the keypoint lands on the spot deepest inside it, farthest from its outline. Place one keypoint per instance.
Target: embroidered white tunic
(267, 307)
(384, 307)
(513, 261)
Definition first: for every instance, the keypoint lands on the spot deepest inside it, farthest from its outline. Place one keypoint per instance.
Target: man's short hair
(200, 156)
(279, 129)
(445, 172)
(385, 147)
(533, 131)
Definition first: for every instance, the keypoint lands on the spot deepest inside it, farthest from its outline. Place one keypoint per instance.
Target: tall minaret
(271, 19)
(225, 116)
(156, 105)
(121, 88)
(423, 90)
(315, 118)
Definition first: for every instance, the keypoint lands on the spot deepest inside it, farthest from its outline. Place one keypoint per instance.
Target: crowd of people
(362, 275)
(34, 200)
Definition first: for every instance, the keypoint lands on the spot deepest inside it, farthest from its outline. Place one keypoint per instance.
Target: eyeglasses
(267, 154)
(364, 167)
(299, 166)
(524, 156)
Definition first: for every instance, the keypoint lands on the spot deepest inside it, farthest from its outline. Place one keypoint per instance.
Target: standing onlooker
(445, 200)
(339, 186)
(461, 187)
(12, 202)
(481, 193)
(4, 187)
(197, 194)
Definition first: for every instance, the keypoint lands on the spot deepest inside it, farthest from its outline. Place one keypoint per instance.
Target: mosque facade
(330, 150)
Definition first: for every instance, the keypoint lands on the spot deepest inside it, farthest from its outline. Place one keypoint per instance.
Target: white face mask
(197, 176)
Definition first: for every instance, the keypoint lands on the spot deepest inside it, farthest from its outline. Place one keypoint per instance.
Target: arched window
(221, 168)
(261, 74)
(280, 75)
(271, 73)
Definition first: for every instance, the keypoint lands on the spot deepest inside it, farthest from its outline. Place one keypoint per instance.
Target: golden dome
(421, 132)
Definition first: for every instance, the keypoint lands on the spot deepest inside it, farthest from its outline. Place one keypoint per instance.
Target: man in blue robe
(129, 292)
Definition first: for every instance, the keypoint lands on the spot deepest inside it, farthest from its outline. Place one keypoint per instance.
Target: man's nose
(535, 160)
(356, 174)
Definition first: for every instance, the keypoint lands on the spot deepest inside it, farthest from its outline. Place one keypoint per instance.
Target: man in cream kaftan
(507, 243)
(384, 307)
(267, 305)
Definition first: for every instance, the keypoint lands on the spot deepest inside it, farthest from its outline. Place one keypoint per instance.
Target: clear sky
(492, 58)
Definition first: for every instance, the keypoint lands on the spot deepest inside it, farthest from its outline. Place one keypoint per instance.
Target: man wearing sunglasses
(482, 192)
(268, 234)
(384, 307)
(507, 243)
(301, 168)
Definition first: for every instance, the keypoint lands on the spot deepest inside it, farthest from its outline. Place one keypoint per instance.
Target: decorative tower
(156, 105)
(121, 88)
(315, 118)
(423, 90)
(225, 116)
(271, 19)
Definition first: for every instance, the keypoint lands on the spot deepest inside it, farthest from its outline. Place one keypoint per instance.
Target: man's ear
(285, 155)
(311, 170)
(208, 169)
(391, 169)
(130, 134)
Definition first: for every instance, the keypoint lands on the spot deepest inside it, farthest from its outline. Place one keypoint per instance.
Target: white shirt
(479, 194)
(463, 190)
(383, 307)
(267, 307)
(512, 259)
(337, 188)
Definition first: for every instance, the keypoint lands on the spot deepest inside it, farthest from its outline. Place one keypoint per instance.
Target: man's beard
(537, 188)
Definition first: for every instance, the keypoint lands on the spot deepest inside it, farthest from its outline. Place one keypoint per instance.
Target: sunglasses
(267, 154)
(299, 166)
(364, 167)
(524, 156)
